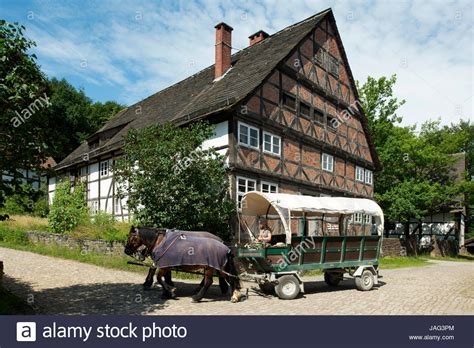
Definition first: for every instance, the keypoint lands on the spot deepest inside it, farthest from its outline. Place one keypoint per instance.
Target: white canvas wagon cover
(287, 205)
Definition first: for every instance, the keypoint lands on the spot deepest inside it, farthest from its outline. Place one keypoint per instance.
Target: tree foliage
(417, 169)
(27, 200)
(380, 106)
(21, 83)
(39, 118)
(171, 183)
(73, 117)
(69, 208)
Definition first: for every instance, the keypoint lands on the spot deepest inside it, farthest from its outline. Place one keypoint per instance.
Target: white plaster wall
(220, 137)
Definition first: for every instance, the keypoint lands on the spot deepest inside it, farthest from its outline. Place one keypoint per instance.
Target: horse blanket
(199, 234)
(184, 249)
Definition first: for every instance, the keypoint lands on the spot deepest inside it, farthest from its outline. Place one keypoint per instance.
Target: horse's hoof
(147, 286)
(196, 299)
(196, 291)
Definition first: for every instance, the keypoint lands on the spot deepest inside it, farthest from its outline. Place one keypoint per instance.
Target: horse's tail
(232, 270)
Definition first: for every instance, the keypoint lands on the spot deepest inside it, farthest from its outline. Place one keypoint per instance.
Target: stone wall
(444, 248)
(392, 247)
(85, 245)
(403, 247)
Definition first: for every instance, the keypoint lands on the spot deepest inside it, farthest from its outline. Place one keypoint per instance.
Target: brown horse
(167, 277)
(159, 244)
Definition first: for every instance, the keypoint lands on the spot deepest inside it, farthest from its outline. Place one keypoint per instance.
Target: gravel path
(57, 286)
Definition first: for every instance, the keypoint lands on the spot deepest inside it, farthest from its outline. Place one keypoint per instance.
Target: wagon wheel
(288, 287)
(267, 287)
(332, 278)
(365, 281)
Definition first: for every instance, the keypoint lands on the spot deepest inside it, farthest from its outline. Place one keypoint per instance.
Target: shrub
(103, 219)
(13, 235)
(69, 208)
(172, 182)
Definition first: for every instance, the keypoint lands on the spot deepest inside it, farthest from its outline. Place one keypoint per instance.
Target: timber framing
(294, 87)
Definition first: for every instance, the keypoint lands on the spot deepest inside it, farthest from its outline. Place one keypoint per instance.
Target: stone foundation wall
(85, 245)
(392, 247)
(409, 247)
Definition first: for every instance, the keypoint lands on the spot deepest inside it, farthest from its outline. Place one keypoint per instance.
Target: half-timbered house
(285, 111)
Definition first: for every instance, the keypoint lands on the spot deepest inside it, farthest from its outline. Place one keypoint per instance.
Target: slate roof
(199, 95)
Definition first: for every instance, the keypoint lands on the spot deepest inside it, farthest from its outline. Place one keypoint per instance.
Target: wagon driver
(265, 234)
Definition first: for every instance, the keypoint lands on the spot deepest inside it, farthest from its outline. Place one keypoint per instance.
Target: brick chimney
(257, 37)
(223, 48)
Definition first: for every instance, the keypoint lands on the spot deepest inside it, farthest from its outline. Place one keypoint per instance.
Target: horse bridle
(147, 251)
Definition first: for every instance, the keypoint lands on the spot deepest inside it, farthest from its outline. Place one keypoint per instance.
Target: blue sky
(128, 50)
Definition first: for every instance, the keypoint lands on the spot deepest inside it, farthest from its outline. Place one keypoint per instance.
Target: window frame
(320, 114)
(94, 207)
(249, 127)
(359, 170)
(367, 219)
(332, 162)
(370, 175)
(272, 137)
(287, 95)
(102, 171)
(357, 218)
(240, 194)
(302, 103)
(269, 184)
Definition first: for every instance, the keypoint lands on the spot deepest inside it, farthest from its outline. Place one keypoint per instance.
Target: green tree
(380, 106)
(172, 183)
(26, 200)
(416, 178)
(23, 138)
(69, 208)
(73, 117)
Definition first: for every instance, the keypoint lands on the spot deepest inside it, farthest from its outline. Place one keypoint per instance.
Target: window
(305, 110)
(328, 62)
(104, 168)
(84, 171)
(117, 205)
(359, 175)
(327, 162)
(289, 101)
(318, 116)
(369, 177)
(94, 207)
(268, 187)
(83, 174)
(244, 185)
(248, 135)
(332, 122)
(271, 143)
(357, 218)
(367, 219)
(333, 65)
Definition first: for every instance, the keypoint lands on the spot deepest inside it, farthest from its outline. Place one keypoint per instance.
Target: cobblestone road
(58, 286)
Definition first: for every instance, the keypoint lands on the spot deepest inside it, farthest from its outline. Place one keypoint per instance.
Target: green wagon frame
(278, 267)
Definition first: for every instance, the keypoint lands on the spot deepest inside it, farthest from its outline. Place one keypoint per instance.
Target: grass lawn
(390, 262)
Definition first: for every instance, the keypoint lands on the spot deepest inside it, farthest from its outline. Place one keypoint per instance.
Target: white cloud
(140, 48)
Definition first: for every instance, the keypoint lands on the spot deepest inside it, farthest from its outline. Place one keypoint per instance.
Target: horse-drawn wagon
(309, 233)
